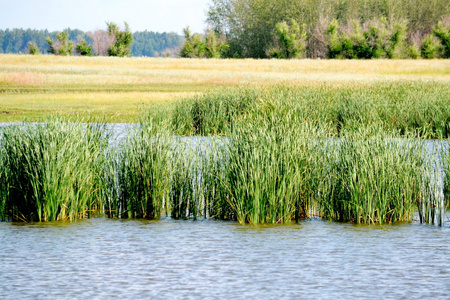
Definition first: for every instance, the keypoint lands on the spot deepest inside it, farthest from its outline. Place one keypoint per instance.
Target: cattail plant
(51, 171)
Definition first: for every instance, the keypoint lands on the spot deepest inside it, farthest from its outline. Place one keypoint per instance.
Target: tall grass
(141, 172)
(213, 113)
(421, 109)
(447, 175)
(271, 168)
(374, 178)
(51, 171)
(284, 153)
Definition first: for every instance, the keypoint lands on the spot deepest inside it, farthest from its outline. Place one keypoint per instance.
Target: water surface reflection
(100, 258)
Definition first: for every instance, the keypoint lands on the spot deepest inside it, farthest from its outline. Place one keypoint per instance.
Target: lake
(168, 259)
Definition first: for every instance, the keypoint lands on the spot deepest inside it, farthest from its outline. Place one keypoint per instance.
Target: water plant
(213, 113)
(410, 108)
(141, 171)
(51, 171)
(271, 166)
(376, 178)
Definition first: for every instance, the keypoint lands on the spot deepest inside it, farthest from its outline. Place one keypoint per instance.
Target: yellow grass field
(116, 89)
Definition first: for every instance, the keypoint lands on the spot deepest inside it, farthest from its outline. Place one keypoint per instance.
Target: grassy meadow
(286, 139)
(33, 87)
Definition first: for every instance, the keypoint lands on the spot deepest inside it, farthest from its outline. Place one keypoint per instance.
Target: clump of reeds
(51, 171)
(197, 169)
(447, 175)
(433, 205)
(186, 181)
(140, 172)
(271, 167)
(409, 108)
(213, 113)
(374, 178)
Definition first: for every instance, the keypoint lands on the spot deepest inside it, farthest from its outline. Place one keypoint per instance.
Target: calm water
(167, 259)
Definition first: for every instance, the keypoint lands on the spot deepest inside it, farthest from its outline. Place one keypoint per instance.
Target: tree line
(327, 29)
(144, 43)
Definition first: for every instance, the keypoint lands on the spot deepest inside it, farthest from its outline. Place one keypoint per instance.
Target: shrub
(443, 34)
(62, 46)
(290, 41)
(83, 48)
(431, 48)
(33, 49)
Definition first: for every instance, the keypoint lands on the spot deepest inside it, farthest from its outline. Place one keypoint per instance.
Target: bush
(33, 49)
(431, 48)
(374, 39)
(290, 40)
(83, 48)
(212, 46)
(443, 34)
(62, 46)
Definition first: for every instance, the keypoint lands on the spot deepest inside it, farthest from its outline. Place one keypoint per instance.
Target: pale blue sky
(88, 15)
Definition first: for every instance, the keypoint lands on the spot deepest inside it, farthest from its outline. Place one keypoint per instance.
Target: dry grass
(35, 86)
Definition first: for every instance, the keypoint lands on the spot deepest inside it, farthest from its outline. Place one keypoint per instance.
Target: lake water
(166, 259)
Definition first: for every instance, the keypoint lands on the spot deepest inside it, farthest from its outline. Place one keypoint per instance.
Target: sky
(90, 15)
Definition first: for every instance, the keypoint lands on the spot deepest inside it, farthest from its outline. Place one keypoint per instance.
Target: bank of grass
(51, 171)
(274, 167)
(32, 87)
(420, 109)
(342, 140)
(140, 172)
(112, 107)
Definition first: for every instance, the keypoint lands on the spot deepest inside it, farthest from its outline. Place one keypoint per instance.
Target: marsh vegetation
(341, 148)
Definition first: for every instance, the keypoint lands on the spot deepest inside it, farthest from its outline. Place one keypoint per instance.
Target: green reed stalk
(52, 171)
(414, 108)
(142, 171)
(446, 164)
(271, 167)
(373, 179)
(185, 190)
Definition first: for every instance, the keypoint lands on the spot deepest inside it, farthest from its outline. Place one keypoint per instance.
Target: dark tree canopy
(145, 43)
(250, 25)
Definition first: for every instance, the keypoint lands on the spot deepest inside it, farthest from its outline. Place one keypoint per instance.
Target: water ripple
(101, 258)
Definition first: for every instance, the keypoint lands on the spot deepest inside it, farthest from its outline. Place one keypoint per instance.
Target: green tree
(193, 46)
(33, 49)
(431, 48)
(443, 34)
(290, 41)
(248, 24)
(62, 45)
(215, 46)
(83, 48)
(374, 39)
(122, 40)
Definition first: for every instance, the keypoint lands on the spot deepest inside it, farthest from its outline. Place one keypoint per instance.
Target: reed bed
(420, 109)
(283, 154)
(51, 171)
(139, 173)
(376, 178)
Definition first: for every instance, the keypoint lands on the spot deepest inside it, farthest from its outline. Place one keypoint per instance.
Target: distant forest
(145, 43)
(331, 28)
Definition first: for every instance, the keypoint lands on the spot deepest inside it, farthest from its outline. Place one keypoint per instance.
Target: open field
(33, 87)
